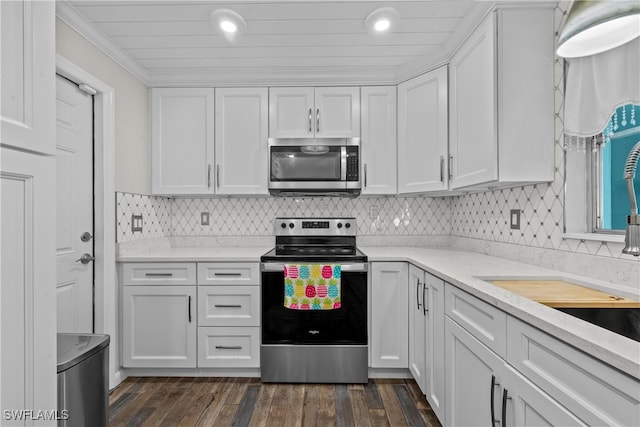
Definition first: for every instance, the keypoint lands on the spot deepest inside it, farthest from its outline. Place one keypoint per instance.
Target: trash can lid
(74, 348)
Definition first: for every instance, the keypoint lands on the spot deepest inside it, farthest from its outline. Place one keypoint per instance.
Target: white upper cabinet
(182, 141)
(241, 130)
(28, 76)
(423, 133)
(323, 112)
(378, 146)
(502, 102)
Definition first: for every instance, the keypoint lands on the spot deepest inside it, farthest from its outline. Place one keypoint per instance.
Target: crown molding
(313, 76)
(77, 21)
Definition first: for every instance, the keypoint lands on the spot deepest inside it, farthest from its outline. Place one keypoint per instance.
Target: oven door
(344, 325)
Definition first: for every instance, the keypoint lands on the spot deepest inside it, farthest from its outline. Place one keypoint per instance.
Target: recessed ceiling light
(229, 23)
(381, 20)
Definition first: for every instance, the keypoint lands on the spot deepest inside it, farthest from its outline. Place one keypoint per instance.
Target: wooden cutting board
(561, 294)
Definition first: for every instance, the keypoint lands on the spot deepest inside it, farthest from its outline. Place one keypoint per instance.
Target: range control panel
(315, 226)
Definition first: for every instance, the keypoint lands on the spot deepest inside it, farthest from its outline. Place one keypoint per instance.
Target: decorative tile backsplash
(380, 216)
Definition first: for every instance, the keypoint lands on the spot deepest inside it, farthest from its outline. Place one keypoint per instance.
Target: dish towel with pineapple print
(312, 286)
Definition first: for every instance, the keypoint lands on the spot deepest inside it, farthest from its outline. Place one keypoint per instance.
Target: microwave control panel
(353, 165)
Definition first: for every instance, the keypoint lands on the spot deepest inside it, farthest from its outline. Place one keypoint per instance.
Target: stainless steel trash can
(83, 380)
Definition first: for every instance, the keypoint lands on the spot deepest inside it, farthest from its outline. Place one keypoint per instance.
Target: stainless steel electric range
(314, 303)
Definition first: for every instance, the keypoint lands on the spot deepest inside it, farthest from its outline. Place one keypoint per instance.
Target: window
(609, 152)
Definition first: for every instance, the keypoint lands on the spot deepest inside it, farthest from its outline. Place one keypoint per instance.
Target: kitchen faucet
(632, 234)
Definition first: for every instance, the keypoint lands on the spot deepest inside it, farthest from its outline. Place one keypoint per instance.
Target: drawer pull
(229, 347)
(227, 305)
(158, 274)
(505, 397)
(228, 274)
(494, 383)
(189, 308)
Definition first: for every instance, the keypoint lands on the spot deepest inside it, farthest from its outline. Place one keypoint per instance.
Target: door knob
(86, 236)
(85, 258)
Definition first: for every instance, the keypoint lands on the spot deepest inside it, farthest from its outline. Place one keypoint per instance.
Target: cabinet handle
(505, 397)
(418, 293)
(424, 301)
(218, 176)
(450, 167)
(318, 120)
(227, 305)
(442, 169)
(365, 175)
(189, 308)
(310, 113)
(209, 177)
(229, 347)
(158, 274)
(494, 383)
(228, 274)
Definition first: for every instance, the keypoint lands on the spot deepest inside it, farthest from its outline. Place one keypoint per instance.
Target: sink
(623, 321)
(612, 312)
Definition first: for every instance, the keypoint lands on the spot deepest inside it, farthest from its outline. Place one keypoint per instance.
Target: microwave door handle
(343, 164)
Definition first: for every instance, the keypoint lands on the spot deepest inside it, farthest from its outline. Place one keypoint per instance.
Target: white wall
(132, 135)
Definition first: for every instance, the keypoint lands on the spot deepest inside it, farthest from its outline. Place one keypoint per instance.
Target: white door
(74, 208)
(337, 112)
(291, 112)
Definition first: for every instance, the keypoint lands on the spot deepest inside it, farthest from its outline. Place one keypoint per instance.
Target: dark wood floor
(161, 401)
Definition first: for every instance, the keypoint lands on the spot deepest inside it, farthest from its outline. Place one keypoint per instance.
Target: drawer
(482, 320)
(158, 273)
(228, 273)
(224, 347)
(595, 392)
(228, 306)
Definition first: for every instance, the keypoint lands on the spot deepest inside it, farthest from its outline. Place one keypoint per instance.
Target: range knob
(339, 225)
(348, 225)
(291, 225)
(283, 225)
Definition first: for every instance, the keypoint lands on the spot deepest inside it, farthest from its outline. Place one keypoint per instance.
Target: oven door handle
(348, 267)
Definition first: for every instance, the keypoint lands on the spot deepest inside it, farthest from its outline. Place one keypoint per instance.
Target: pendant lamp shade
(597, 26)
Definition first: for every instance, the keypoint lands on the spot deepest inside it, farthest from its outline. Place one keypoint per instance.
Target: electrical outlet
(373, 212)
(136, 223)
(204, 218)
(514, 216)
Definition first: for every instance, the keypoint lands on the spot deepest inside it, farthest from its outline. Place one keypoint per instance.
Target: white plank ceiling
(172, 43)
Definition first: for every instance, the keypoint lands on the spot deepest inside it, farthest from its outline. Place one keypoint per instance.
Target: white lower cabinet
(159, 327)
(426, 336)
(389, 320)
(228, 347)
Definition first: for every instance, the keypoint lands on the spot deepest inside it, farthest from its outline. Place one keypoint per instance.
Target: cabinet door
(28, 275)
(527, 405)
(337, 112)
(378, 147)
(474, 143)
(182, 141)
(473, 379)
(389, 319)
(241, 130)
(434, 342)
(27, 76)
(159, 327)
(417, 333)
(422, 133)
(291, 112)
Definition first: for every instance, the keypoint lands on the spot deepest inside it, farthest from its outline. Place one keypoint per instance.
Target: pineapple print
(315, 271)
(304, 272)
(294, 303)
(310, 290)
(333, 288)
(315, 304)
(327, 303)
(321, 289)
(299, 290)
(288, 287)
(305, 304)
(336, 303)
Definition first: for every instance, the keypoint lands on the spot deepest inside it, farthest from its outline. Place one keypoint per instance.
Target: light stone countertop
(465, 270)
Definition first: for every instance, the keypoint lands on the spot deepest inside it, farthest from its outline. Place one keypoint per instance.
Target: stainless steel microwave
(314, 167)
